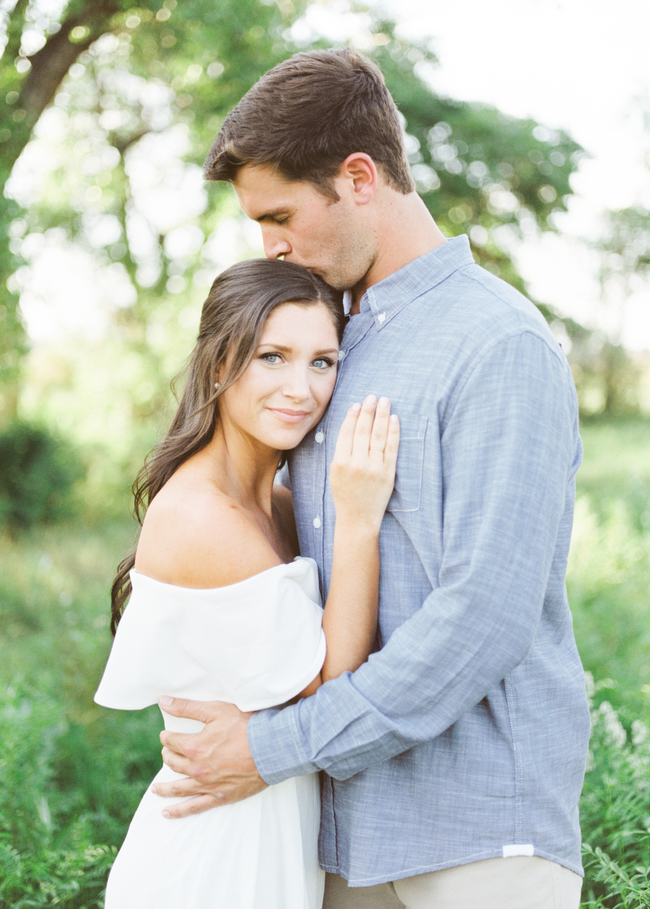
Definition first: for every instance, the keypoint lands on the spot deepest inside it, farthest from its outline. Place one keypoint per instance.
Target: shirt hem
(440, 866)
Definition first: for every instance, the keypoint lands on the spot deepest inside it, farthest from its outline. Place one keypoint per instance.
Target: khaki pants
(519, 882)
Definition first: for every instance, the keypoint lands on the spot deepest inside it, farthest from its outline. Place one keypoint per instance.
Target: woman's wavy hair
(232, 319)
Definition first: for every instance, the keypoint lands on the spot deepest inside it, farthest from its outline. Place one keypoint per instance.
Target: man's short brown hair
(306, 115)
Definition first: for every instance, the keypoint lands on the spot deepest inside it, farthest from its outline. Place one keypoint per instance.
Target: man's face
(302, 225)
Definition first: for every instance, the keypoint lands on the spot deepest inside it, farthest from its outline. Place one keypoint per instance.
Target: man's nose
(275, 246)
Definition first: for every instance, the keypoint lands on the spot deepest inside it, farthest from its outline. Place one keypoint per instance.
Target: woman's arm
(362, 476)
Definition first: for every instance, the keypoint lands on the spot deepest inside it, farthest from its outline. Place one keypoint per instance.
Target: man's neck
(406, 231)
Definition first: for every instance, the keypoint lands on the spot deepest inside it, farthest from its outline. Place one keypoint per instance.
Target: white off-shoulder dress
(255, 644)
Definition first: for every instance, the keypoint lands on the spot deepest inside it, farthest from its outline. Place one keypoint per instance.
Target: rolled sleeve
(277, 745)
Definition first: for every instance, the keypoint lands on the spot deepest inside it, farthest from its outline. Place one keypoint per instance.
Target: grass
(609, 566)
(72, 773)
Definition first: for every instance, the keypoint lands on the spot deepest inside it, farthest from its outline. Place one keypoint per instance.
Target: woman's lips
(289, 416)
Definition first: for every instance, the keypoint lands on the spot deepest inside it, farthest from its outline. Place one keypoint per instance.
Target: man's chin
(337, 282)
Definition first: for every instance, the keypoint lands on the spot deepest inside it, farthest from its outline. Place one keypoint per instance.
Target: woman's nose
(296, 385)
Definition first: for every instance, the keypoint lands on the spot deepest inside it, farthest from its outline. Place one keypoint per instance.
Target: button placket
(319, 485)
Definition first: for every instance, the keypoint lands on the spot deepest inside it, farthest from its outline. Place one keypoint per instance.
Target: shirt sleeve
(510, 449)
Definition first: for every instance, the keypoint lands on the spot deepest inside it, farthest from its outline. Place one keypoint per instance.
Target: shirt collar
(386, 298)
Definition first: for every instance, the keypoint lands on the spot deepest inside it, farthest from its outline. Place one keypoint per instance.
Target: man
(454, 757)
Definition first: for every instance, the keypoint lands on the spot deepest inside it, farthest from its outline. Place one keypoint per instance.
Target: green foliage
(609, 564)
(54, 606)
(615, 813)
(71, 773)
(475, 165)
(66, 788)
(72, 879)
(626, 244)
(29, 738)
(37, 472)
(138, 96)
(609, 381)
(129, 71)
(112, 401)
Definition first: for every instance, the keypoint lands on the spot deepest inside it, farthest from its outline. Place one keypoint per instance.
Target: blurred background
(528, 128)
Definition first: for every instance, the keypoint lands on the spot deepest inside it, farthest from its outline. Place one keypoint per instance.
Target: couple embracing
(408, 633)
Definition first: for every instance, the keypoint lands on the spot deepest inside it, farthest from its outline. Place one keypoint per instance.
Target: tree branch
(122, 144)
(51, 63)
(15, 29)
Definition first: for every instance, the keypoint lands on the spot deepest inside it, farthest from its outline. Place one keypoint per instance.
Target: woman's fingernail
(384, 403)
(166, 701)
(371, 400)
(355, 407)
(166, 813)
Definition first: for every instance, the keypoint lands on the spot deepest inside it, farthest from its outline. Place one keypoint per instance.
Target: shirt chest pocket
(410, 464)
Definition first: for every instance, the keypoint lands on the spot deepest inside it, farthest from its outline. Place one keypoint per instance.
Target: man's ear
(361, 173)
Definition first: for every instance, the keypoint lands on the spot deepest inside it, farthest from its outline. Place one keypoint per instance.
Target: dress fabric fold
(255, 644)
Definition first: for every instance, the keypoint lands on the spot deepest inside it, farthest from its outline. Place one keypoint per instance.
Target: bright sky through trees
(578, 65)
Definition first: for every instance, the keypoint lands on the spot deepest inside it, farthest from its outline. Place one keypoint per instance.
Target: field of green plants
(71, 773)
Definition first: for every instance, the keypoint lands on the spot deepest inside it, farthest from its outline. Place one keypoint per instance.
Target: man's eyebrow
(272, 215)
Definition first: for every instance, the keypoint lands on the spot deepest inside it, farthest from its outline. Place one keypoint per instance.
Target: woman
(220, 607)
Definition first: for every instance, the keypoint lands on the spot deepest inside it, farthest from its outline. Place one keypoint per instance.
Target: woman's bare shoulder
(195, 536)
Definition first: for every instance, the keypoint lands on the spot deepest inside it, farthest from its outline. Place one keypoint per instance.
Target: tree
(121, 78)
(29, 83)
(162, 43)
(625, 254)
(478, 170)
(625, 265)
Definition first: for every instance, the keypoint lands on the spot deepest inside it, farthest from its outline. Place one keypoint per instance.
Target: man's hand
(216, 760)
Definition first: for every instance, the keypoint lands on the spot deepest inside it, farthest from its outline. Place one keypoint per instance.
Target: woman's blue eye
(273, 359)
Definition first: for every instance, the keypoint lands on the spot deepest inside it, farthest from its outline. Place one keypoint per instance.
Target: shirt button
(342, 354)
(320, 437)
(382, 316)
(316, 523)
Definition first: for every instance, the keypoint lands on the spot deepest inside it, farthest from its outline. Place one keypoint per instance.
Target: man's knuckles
(204, 774)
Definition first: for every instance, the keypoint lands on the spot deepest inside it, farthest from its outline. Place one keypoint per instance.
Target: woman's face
(286, 387)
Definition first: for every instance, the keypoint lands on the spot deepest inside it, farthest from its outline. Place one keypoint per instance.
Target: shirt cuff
(276, 744)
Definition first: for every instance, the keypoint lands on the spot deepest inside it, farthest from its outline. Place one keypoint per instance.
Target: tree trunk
(49, 67)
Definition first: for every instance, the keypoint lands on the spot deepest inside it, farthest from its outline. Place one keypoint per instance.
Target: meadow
(71, 773)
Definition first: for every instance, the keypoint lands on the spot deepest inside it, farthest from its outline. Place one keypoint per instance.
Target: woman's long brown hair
(232, 319)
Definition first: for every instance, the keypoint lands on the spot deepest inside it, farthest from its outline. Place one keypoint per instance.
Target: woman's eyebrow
(283, 347)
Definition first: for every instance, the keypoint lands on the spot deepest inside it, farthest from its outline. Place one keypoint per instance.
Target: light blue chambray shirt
(464, 737)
